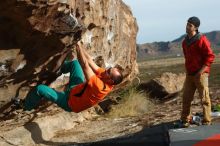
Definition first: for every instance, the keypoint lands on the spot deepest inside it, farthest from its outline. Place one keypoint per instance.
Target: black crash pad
(196, 136)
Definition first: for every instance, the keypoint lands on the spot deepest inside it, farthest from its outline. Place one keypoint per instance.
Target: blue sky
(165, 20)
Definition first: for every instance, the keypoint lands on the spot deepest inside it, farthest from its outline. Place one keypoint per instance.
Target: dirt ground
(102, 127)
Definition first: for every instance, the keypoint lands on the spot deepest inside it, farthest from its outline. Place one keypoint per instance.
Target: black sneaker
(181, 124)
(18, 103)
(185, 124)
(206, 123)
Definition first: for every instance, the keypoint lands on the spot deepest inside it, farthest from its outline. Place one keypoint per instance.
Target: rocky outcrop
(35, 128)
(36, 36)
(166, 86)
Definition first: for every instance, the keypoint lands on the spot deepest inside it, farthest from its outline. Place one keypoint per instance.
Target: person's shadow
(36, 135)
(158, 137)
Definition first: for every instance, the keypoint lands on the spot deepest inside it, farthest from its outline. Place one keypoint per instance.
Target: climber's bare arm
(92, 64)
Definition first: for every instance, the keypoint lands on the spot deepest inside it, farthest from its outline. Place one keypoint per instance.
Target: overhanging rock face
(37, 35)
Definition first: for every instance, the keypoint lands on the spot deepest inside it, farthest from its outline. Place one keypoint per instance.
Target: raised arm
(88, 72)
(92, 64)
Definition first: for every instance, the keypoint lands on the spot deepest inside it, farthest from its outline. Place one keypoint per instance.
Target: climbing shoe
(18, 103)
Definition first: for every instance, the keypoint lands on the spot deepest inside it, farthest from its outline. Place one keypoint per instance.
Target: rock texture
(166, 86)
(35, 128)
(37, 35)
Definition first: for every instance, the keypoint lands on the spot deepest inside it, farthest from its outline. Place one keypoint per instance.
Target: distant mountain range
(174, 47)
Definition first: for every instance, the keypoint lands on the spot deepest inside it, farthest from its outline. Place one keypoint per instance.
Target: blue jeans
(60, 98)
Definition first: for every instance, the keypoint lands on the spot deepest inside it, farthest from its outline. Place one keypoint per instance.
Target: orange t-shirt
(94, 92)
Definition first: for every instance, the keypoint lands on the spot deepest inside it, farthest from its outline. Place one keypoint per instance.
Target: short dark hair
(118, 79)
(195, 21)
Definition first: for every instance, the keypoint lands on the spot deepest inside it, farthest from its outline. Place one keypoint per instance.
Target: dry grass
(133, 103)
(136, 103)
(161, 62)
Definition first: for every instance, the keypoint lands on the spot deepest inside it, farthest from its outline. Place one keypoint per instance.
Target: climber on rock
(88, 85)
